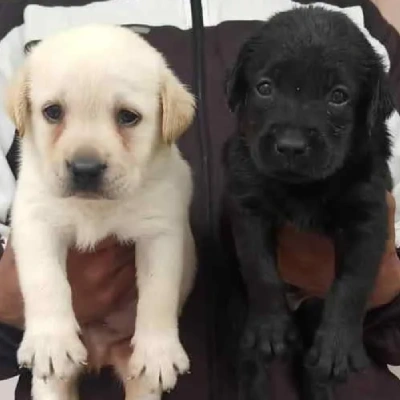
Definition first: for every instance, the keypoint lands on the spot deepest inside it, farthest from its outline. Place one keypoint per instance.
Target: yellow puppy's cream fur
(91, 71)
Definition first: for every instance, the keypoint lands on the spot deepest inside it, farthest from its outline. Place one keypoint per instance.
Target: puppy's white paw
(52, 352)
(159, 357)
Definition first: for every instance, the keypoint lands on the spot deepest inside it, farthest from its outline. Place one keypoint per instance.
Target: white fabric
(41, 21)
(11, 56)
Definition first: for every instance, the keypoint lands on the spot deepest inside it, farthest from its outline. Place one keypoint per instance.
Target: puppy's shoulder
(32, 189)
(242, 180)
(170, 175)
(162, 201)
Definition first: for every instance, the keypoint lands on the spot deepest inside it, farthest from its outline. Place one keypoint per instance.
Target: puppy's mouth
(290, 176)
(86, 192)
(295, 170)
(84, 195)
(97, 193)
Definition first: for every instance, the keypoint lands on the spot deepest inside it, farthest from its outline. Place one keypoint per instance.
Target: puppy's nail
(51, 368)
(178, 371)
(83, 363)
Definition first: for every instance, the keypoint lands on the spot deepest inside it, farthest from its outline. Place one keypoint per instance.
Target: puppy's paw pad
(159, 358)
(57, 353)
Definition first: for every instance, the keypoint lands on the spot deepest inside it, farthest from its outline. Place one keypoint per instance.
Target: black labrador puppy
(311, 148)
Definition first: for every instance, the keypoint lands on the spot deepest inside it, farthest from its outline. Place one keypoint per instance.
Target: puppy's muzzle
(86, 173)
(291, 143)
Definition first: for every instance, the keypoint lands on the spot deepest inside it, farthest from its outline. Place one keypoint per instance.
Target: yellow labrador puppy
(98, 111)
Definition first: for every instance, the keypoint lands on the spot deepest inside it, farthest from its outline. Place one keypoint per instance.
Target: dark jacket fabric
(201, 56)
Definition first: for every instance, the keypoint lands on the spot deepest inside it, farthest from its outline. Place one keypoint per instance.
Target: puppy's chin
(106, 193)
(291, 177)
(83, 195)
(68, 191)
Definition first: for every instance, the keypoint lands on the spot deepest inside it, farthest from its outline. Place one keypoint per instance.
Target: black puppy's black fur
(311, 148)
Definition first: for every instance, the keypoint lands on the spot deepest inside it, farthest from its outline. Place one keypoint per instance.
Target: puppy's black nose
(86, 172)
(291, 145)
(86, 166)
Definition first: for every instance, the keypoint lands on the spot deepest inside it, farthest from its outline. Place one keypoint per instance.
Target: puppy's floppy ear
(235, 84)
(381, 104)
(178, 107)
(17, 100)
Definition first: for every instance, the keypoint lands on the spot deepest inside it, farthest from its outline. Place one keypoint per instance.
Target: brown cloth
(306, 261)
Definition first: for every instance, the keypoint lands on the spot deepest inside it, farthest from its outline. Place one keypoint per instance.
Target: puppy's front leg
(269, 330)
(51, 345)
(360, 242)
(157, 351)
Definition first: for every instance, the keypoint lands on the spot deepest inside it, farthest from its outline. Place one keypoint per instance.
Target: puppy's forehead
(310, 37)
(101, 54)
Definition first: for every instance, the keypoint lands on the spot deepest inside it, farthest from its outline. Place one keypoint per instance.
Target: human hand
(306, 260)
(99, 280)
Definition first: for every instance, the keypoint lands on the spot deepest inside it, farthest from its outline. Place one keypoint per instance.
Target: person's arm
(390, 10)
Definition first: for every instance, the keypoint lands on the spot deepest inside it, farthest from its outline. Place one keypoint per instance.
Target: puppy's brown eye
(339, 97)
(127, 118)
(264, 88)
(53, 113)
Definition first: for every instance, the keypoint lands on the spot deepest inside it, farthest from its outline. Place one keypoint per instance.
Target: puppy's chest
(309, 214)
(87, 234)
(89, 226)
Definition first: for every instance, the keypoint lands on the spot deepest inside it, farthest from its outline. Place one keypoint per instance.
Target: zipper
(199, 87)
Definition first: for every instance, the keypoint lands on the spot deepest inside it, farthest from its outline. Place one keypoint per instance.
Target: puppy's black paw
(270, 335)
(335, 354)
